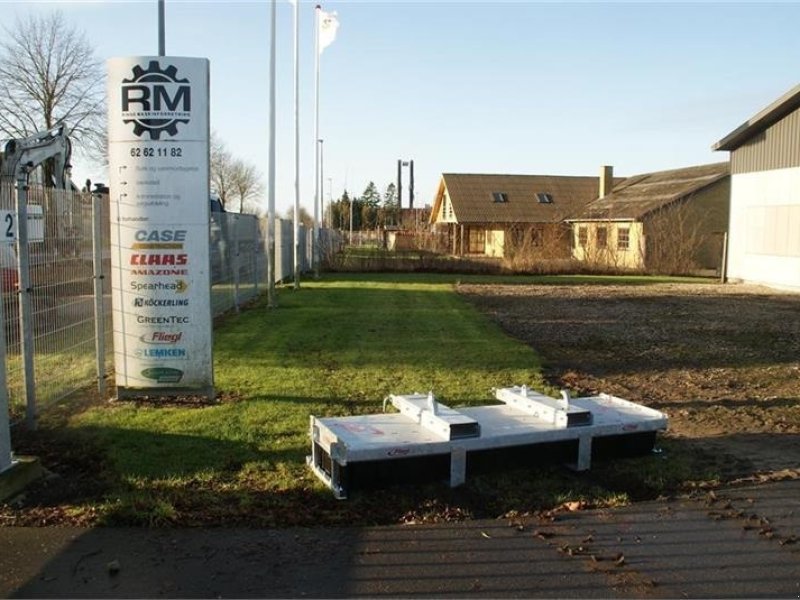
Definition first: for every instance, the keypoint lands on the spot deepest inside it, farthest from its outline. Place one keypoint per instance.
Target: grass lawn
(335, 347)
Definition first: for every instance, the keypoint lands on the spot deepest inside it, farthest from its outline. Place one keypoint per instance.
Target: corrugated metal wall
(778, 147)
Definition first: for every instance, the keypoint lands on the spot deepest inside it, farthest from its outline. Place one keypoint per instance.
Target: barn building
(764, 230)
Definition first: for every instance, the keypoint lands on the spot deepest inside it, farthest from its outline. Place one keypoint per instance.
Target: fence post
(25, 309)
(6, 459)
(235, 237)
(723, 271)
(254, 255)
(99, 303)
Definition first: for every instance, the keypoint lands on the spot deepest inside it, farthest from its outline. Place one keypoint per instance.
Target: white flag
(328, 24)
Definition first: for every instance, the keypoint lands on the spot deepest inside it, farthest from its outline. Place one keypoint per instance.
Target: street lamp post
(352, 201)
(330, 202)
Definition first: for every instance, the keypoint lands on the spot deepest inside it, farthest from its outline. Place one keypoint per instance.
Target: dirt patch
(723, 361)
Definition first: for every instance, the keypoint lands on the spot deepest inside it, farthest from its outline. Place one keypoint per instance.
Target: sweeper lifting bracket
(426, 440)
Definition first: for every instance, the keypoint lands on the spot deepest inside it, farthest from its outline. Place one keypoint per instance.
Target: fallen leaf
(113, 567)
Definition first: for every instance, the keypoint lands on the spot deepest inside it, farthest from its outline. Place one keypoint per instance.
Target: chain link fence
(64, 341)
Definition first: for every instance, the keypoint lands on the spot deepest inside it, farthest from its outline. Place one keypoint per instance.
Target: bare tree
(246, 184)
(49, 75)
(221, 168)
(674, 238)
(305, 217)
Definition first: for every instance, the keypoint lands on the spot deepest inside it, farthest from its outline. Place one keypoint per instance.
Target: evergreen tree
(391, 205)
(371, 197)
(370, 201)
(390, 196)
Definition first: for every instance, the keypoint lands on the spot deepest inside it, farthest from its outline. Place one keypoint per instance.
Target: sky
(553, 88)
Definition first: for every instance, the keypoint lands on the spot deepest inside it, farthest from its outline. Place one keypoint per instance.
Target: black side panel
(530, 455)
(426, 469)
(624, 445)
(398, 471)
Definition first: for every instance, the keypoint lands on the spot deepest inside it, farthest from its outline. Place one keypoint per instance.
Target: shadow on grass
(185, 480)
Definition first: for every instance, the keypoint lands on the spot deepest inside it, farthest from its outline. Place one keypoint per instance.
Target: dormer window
(544, 198)
(500, 197)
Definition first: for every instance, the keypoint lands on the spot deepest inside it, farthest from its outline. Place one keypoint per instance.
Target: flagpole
(296, 4)
(315, 257)
(271, 299)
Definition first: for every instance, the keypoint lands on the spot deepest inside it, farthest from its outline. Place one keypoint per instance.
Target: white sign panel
(8, 224)
(158, 134)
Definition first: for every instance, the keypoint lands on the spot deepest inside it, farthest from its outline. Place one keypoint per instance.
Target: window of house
(602, 237)
(476, 240)
(583, 236)
(537, 237)
(623, 238)
(543, 198)
(500, 197)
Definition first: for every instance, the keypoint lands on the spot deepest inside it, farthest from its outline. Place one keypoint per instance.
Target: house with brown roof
(488, 215)
(670, 221)
(764, 237)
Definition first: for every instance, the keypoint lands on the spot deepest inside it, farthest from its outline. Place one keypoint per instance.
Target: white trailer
(427, 440)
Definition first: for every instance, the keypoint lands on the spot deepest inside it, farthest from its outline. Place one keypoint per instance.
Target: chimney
(606, 180)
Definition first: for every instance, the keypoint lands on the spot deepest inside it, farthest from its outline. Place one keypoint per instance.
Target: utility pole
(161, 35)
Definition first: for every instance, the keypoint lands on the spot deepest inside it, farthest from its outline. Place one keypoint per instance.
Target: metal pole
(296, 215)
(321, 186)
(399, 183)
(352, 201)
(161, 34)
(6, 458)
(723, 271)
(411, 184)
(25, 309)
(236, 264)
(253, 255)
(271, 296)
(315, 242)
(99, 304)
(330, 202)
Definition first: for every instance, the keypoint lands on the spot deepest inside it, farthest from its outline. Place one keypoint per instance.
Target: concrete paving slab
(740, 542)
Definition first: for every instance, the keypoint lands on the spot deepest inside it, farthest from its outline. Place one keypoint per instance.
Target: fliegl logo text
(162, 338)
(155, 100)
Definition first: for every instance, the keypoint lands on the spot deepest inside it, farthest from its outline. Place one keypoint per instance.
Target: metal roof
(641, 194)
(473, 197)
(770, 115)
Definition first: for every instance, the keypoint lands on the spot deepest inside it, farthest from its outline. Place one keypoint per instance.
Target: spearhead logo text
(155, 100)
